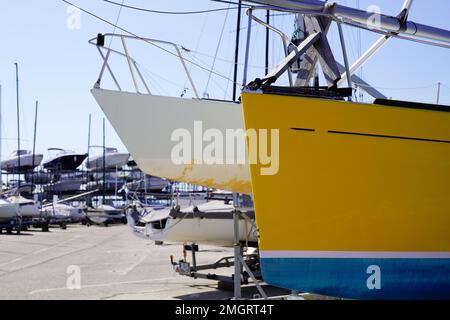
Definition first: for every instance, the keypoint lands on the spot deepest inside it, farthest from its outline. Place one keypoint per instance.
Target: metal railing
(132, 64)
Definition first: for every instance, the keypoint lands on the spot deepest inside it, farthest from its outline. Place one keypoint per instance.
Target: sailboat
(371, 216)
(21, 160)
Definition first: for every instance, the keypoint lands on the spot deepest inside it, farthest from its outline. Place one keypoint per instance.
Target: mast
(438, 93)
(236, 52)
(267, 41)
(104, 164)
(88, 197)
(34, 141)
(18, 126)
(1, 181)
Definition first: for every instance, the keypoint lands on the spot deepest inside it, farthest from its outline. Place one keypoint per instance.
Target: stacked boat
(21, 161)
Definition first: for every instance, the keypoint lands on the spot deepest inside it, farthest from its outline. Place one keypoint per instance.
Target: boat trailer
(245, 265)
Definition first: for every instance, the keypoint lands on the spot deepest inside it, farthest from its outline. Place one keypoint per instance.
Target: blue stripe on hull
(348, 278)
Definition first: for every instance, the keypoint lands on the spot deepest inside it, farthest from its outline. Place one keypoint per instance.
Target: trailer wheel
(1, 230)
(45, 228)
(9, 230)
(63, 226)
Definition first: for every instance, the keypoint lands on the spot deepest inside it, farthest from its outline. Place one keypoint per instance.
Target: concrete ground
(112, 264)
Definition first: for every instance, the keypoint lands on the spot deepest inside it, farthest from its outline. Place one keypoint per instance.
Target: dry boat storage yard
(112, 264)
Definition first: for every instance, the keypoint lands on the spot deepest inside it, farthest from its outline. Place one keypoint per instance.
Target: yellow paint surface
(352, 192)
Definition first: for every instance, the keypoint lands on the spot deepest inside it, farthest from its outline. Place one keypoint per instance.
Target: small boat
(111, 185)
(8, 210)
(148, 184)
(67, 183)
(61, 211)
(24, 188)
(208, 223)
(40, 177)
(28, 208)
(64, 160)
(105, 214)
(113, 159)
(25, 158)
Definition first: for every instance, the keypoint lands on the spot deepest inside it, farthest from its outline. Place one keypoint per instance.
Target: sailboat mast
(34, 141)
(89, 140)
(88, 197)
(18, 126)
(236, 52)
(438, 93)
(267, 41)
(1, 181)
(104, 163)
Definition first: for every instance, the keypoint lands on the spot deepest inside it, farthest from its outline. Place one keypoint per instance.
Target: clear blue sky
(58, 67)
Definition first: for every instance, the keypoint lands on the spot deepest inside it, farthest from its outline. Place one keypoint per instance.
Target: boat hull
(112, 160)
(66, 162)
(145, 124)
(211, 224)
(26, 163)
(8, 211)
(370, 218)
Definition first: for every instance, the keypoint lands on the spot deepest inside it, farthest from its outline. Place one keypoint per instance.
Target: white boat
(26, 161)
(61, 211)
(148, 183)
(27, 208)
(64, 160)
(8, 210)
(140, 117)
(69, 182)
(208, 223)
(113, 159)
(25, 188)
(105, 214)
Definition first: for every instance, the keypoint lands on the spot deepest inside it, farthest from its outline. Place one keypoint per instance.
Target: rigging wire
(147, 41)
(400, 88)
(199, 39)
(171, 12)
(117, 21)
(217, 51)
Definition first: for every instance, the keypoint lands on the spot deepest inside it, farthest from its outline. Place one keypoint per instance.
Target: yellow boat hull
(359, 186)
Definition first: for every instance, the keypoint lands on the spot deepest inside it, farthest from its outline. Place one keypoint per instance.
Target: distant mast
(18, 127)
(1, 181)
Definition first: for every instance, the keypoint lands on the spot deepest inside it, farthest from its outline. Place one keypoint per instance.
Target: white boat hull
(112, 160)
(208, 228)
(26, 162)
(145, 123)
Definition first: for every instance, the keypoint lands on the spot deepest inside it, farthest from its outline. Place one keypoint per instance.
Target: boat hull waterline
(370, 218)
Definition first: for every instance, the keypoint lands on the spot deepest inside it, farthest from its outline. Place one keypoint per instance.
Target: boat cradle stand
(245, 265)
